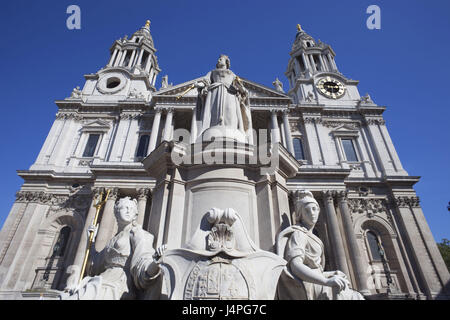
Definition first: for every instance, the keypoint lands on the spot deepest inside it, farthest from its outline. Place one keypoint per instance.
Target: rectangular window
(298, 149)
(143, 146)
(91, 145)
(349, 149)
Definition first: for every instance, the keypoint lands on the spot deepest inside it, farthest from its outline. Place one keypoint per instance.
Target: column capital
(113, 194)
(312, 119)
(328, 195)
(143, 193)
(159, 109)
(274, 111)
(97, 190)
(342, 195)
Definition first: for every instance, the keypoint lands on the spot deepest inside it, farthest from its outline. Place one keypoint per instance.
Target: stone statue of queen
(223, 104)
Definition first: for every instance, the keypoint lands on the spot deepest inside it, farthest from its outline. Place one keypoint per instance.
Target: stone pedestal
(191, 179)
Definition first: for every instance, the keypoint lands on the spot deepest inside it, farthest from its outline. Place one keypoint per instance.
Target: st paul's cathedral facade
(218, 188)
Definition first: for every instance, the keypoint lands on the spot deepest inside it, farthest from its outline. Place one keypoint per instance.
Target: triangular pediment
(96, 125)
(256, 90)
(346, 129)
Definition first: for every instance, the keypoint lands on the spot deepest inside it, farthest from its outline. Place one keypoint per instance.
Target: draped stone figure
(125, 266)
(305, 278)
(223, 106)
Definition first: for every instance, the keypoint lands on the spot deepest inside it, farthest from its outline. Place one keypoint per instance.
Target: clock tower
(131, 71)
(313, 74)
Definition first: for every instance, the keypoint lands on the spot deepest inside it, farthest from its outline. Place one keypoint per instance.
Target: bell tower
(131, 70)
(314, 76)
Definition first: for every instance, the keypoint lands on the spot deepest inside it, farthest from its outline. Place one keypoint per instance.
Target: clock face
(331, 88)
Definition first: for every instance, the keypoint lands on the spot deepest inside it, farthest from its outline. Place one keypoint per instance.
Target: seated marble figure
(304, 277)
(126, 265)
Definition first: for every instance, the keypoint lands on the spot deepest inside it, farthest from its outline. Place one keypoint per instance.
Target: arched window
(143, 146)
(374, 246)
(298, 149)
(61, 244)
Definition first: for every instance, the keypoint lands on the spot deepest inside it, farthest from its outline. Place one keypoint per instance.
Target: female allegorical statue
(127, 264)
(223, 102)
(304, 252)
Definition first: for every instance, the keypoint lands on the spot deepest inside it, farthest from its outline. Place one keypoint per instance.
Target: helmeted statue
(223, 104)
(127, 264)
(305, 278)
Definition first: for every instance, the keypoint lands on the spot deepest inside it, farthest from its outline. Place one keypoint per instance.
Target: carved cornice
(68, 116)
(334, 124)
(57, 202)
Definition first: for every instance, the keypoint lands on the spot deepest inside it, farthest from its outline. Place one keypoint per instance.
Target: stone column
(283, 134)
(122, 58)
(332, 63)
(168, 126)
(334, 232)
(131, 59)
(119, 58)
(312, 138)
(139, 59)
(142, 197)
(306, 62)
(108, 222)
(274, 127)
(359, 269)
(149, 64)
(194, 126)
(313, 64)
(287, 133)
(380, 147)
(155, 130)
(111, 61)
(390, 147)
(82, 244)
(323, 65)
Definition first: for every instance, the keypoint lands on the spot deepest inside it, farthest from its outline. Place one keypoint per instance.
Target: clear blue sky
(403, 66)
